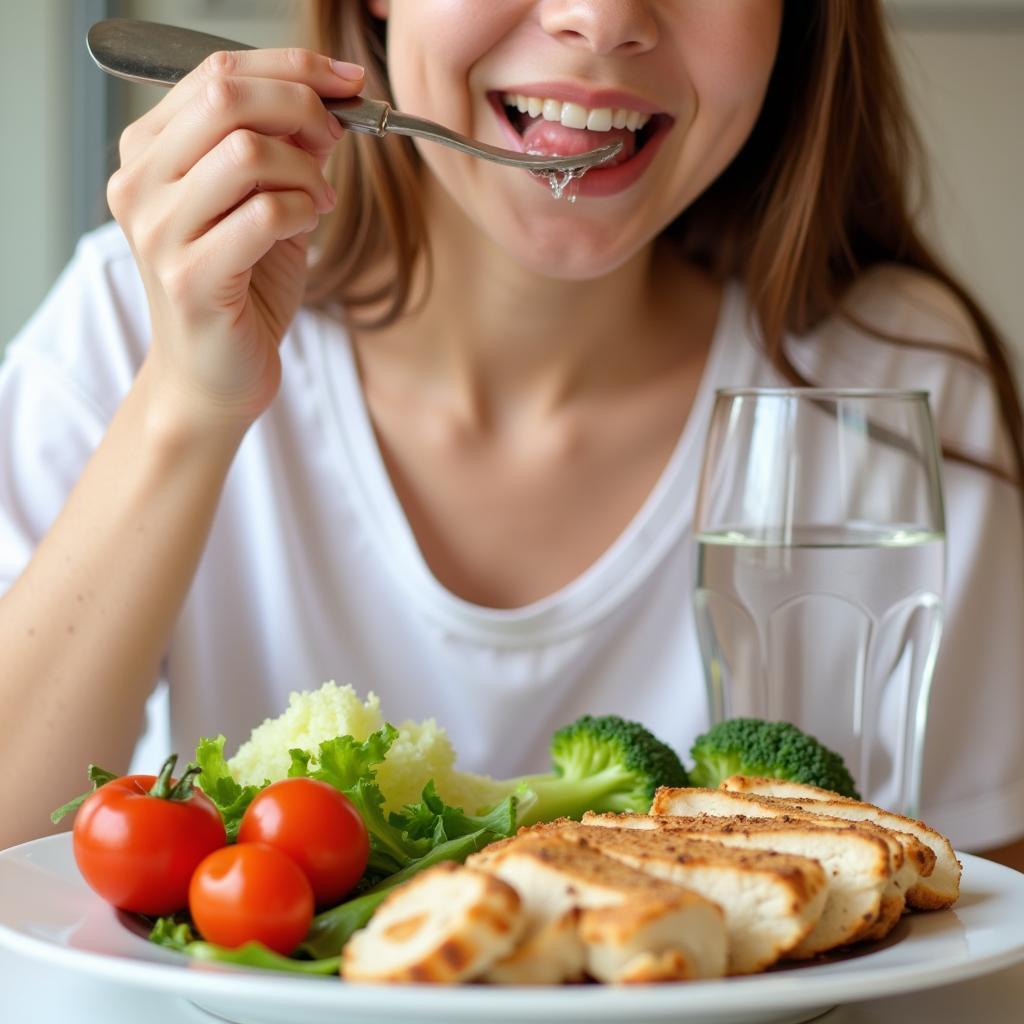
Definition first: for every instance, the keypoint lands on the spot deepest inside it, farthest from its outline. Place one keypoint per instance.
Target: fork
(148, 52)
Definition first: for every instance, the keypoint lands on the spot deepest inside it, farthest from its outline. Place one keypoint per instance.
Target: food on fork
(934, 890)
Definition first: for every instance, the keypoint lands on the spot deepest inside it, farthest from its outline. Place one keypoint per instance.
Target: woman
(455, 460)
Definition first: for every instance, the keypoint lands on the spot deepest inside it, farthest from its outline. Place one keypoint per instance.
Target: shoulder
(92, 329)
(901, 328)
(908, 304)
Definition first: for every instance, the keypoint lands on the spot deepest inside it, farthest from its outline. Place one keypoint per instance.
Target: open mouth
(555, 127)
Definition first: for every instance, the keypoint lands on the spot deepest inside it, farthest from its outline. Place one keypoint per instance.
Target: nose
(606, 27)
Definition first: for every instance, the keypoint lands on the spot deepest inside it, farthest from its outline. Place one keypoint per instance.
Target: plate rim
(778, 991)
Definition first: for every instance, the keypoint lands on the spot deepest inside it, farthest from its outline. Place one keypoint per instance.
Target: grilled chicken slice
(933, 890)
(653, 931)
(447, 924)
(637, 943)
(723, 803)
(856, 864)
(772, 901)
(551, 952)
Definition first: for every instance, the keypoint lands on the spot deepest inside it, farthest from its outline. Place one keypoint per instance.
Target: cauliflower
(309, 719)
(421, 752)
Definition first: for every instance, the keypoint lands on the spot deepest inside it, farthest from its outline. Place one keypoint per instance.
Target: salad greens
(598, 763)
(178, 935)
(333, 928)
(397, 839)
(217, 782)
(401, 843)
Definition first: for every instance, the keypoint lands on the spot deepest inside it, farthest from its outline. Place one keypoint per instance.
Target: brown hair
(835, 152)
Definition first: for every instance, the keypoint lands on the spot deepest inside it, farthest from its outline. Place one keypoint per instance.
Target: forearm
(84, 627)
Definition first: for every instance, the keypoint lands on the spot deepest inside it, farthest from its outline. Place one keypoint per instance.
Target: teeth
(573, 115)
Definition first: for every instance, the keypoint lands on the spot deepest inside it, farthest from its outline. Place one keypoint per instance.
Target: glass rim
(893, 394)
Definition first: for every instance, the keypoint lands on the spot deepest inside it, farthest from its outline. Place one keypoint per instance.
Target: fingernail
(332, 196)
(350, 72)
(335, 126)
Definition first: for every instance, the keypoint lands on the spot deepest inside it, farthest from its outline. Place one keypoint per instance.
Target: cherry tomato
(137, 839)
(251, 892)
(315, 825)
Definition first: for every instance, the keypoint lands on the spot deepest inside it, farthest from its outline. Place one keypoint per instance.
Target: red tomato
(318, 827)
(138, 850)
(251, 892)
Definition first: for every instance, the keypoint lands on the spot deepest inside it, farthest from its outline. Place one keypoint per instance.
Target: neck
(492, 336)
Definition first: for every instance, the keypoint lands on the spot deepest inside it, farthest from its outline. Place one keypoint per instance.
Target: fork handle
(360, 114)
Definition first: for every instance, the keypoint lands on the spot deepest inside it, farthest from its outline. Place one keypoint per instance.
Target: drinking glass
(820, 537)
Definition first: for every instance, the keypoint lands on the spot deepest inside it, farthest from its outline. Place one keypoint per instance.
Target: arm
(219, 187)
(84, 627)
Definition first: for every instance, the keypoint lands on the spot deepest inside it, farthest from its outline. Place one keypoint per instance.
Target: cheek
(728, 50)
(731, 50)
(433, 46)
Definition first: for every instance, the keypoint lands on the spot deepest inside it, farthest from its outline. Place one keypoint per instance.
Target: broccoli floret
(775, 750)
(600, 764)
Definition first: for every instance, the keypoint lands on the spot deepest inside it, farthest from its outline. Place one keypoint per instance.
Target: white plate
(47, 912)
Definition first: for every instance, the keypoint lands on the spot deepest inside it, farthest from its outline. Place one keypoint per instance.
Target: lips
(558, 121)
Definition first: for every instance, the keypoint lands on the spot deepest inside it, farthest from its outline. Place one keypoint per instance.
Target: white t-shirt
(312, 571)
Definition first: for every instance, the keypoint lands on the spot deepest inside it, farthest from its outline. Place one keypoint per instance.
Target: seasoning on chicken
(856, 863)
(934, 890)
(657, 932)
(447, 924)
(905, 870)
(771, 901)
(549, 954)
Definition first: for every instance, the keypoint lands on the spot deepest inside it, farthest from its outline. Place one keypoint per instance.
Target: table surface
(30, 993)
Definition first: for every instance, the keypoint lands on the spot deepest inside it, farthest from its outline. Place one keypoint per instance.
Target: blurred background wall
(963, 61)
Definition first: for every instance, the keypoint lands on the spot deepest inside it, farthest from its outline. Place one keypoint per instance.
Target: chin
(564, 241)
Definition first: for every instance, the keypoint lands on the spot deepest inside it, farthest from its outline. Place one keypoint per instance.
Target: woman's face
(679, 82)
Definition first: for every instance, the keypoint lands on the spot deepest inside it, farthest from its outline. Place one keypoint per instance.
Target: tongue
(549, 138)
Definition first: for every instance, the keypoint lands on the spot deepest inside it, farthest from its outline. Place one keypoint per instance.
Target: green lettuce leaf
(349, 766)
(217, 782)
(333, 928)
(178, 935)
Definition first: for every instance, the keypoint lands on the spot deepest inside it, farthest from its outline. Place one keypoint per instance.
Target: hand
(218, 189)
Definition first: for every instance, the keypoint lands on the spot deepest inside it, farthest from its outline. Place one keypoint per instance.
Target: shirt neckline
(657, 525)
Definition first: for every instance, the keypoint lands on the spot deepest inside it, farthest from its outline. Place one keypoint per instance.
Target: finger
(284, 109)
(325, 76)
(243, 163)
(236, 244)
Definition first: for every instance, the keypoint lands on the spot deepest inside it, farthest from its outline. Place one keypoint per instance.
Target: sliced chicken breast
(447, 924)
(856, 865)
(932, 890)
(772, 901)
(549, 953)
(904, 873)
(658, 931)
